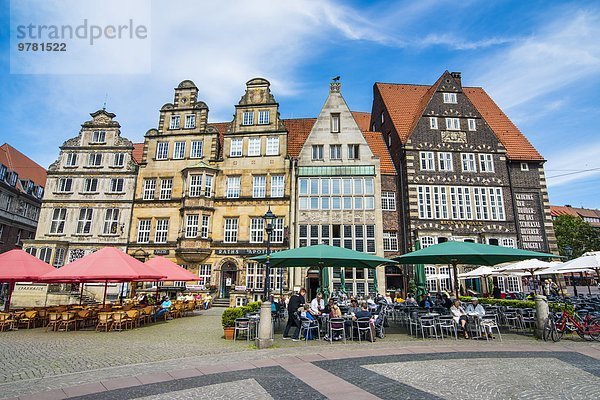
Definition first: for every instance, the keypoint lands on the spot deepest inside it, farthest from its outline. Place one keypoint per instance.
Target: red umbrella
(105, 265)
(19, 266)
(172, 271)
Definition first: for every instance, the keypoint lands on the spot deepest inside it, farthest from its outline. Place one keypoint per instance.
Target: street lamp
(269, 217)
(569, 253)
(265, 327)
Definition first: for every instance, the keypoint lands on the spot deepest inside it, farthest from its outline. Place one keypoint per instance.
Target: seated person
(477, 309)
(329, 306)
(363, 312)
(308, 314)
(447, 303)
(425, 302)
(164, 307)
(354, 308)
(460, 316)
(317, 305)
(410, 300)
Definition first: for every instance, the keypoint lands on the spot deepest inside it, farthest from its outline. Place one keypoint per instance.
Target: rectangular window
(190, 121)
(179, 150)
(278, 231)
(111, 221)
(254, 146)
(524, 166)
(59, 216)
(471, 124)
(162, 229)
(204, 272)
(259, 186)
(388, 201)
(317, 151)
(90, 185)
(143, 235)
(191, 226)
(453, 124)
(119, 160)
(353, 153)
(84, 223)
(486, 163)
(196, 150)
(99, 137)
(496, 204)
(263, 117)
(445, 162)
(231, 230)
(116, 185)
(480, 200)
(166, 188)
(236, 148)
(248, 118)
(149, 188)
(208, 182)
(65, 185)
(175, 121)
(273, 146)
(95, 159)
(71, 160)
(195, 185)
(233, 187)
(204, 229)
(424, 202)
(450, 98)
(433, 123)
(335, 151)
(335, 123)
(468, 162)
(59, 257)
(257, 230)
(427, 160)
(162, 150)
(277, 185)
(390, 241)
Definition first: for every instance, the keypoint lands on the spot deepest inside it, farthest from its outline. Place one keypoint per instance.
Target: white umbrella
(588, 261)
(530, 266)
(482, 271)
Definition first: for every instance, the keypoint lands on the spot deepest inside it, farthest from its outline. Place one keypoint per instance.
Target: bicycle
(587, 327)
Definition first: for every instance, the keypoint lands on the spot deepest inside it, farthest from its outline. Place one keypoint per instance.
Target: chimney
(335, 85)
(456, 76)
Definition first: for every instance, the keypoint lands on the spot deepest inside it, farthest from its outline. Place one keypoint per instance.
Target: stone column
(265, 338)
(541, 313)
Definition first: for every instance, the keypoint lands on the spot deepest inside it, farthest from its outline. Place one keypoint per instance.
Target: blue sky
(540, 61)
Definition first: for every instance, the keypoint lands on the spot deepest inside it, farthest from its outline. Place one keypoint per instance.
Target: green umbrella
(420, 277)
(325, 282)
(343, 281)
(455, 253)
(323, 256)
(375, 288)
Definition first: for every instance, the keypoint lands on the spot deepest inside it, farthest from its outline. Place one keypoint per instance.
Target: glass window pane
(336, 186)
(314, 186)
(324, 186)
(358, 187)
(303, 186)
(369, 188)
(347, 186)
(325, 203)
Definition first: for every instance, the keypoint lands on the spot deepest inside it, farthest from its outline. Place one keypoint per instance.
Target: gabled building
(337, 193)
(174, 196)
(465, 170)
(22, 184)
(589, 215)
(89, 194)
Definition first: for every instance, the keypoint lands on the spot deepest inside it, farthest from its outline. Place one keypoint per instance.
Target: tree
(574, 233)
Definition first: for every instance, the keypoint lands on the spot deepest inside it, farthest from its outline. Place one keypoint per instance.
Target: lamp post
(265, 328)
(569, 253)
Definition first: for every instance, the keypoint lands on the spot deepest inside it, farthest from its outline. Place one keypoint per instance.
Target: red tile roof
(406, 103)
(24, 166)
(516, 144)
(298, 131)
(555, 211)
(138, 152)
(379, 148)
(363, 120)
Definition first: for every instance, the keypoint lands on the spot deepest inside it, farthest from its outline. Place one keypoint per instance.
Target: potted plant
(228, 320)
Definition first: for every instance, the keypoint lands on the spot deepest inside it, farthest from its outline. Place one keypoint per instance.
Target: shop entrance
(228, 279)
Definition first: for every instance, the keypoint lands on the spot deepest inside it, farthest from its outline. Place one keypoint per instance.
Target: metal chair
(447, 325)
(242, 325)
(490, 322)
(428, 324)
(363, 325)
(307, 326)
(336, 325)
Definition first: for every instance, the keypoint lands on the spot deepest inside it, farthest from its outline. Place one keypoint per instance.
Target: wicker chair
(104, 321)
(29, 319)
(6, 320)
(54, 320)
(133, 318)
(119, 319)
(67, 319)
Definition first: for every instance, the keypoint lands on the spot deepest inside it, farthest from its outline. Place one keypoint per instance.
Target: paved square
(241, 390)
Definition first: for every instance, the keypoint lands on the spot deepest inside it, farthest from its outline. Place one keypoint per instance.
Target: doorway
(228, 279)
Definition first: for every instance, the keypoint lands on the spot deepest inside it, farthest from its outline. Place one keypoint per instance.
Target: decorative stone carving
(454, 137)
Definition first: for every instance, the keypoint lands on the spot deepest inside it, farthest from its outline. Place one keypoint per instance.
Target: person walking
(295, 302)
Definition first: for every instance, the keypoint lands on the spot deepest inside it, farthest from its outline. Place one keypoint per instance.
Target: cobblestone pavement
(66, 364)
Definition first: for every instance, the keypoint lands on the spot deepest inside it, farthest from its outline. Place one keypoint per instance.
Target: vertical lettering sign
(530, 222)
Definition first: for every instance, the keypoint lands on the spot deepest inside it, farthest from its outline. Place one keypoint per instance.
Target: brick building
(466, 172)
(22, 183)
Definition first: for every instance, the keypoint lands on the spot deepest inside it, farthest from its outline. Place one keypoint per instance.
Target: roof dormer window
(99, 137)
(248, 118)
(263, 117)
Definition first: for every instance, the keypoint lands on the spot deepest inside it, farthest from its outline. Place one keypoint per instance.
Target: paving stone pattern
(247, 389)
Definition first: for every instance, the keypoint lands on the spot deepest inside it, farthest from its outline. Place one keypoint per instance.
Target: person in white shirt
(460, 316)
(317, 305)
(475, 308)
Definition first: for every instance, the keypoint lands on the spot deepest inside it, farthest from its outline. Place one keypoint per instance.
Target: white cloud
(564, 51)
(566, 166)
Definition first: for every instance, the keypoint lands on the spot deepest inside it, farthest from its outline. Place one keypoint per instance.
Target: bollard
(541, 314)
(265, 327)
